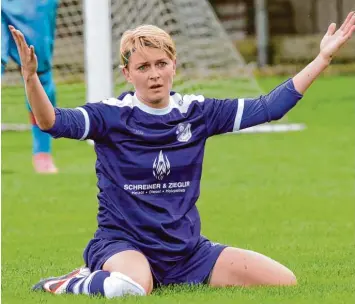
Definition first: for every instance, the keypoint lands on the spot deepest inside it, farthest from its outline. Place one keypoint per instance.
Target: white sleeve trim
(87, 122)
(239, 115)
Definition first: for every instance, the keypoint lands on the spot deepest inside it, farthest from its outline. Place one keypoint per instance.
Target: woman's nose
(154, 73)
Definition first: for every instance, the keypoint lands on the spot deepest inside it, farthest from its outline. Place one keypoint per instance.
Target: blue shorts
(195, 268)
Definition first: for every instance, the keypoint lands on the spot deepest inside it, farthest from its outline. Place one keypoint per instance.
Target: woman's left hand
(333, 40)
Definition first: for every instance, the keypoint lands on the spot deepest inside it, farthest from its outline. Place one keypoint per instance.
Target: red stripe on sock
(32, 119)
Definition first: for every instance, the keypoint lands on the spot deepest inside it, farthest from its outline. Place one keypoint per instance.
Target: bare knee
(134, 265)
(145, 282)
(270, 272)
(279, 275)
(239, 267)
(289, 280)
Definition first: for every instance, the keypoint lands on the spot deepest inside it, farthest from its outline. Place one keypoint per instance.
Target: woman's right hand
(29, 63)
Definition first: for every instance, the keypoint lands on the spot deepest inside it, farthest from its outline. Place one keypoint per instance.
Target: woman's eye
(162, 64)
(142, 68)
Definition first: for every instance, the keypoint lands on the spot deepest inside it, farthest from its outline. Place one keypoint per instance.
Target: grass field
(288, 195)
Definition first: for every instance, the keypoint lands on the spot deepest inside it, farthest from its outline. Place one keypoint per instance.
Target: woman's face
(151, 72)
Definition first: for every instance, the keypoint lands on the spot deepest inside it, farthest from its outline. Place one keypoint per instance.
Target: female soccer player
(150, 145)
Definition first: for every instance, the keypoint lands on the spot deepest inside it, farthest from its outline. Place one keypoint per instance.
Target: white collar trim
(150, 110)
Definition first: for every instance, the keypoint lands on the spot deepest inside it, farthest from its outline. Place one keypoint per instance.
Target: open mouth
(156, 86)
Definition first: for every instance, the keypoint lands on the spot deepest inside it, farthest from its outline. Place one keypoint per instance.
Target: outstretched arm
(235, 114)
(41, 107)
(330, 44)
(80, 123)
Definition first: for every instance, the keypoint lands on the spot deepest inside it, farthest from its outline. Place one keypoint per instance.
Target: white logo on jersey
(183, 132)
(161, 166)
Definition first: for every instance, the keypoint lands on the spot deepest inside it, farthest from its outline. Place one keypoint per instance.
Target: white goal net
(205, 52)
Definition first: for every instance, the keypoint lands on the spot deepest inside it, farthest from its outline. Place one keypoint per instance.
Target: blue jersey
(149, 161)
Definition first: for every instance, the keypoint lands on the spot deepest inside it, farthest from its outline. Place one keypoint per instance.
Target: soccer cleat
(43, 164)
(58, 285)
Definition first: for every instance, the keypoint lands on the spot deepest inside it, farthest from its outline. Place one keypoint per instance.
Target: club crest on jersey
(183, 132)
(161, 166)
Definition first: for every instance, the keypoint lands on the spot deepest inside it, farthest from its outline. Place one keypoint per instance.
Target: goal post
(98, 50)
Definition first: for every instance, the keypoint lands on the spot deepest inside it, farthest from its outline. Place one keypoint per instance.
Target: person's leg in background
(42, 37)
(5, 38)
(38, 24)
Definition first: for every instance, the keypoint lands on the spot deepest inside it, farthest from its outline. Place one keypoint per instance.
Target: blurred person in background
(37, 21)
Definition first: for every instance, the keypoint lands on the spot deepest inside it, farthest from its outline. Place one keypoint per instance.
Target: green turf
(288, 195)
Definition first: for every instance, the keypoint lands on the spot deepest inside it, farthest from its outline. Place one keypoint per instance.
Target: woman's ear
(127, 74)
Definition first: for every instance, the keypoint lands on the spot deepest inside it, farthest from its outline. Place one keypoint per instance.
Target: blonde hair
(145, 36)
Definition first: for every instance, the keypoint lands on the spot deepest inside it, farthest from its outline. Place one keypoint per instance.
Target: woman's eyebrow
(147, 62)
